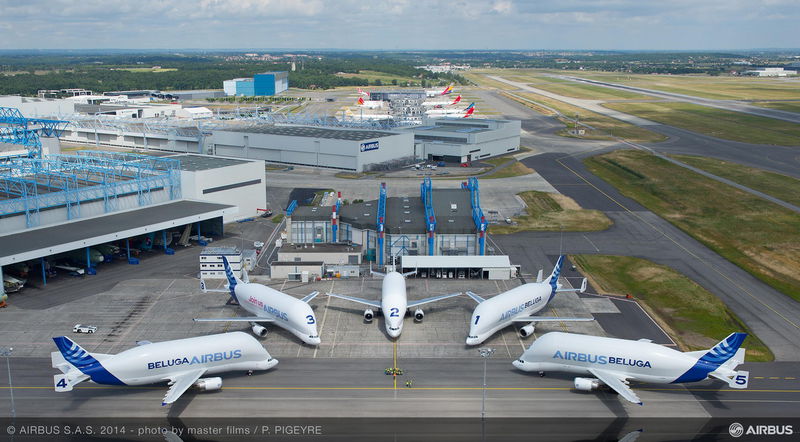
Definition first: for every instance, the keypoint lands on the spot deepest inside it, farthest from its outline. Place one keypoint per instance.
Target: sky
(400, 24)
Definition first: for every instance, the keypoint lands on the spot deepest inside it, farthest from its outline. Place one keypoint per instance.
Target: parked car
(466, 164)
(80, 328)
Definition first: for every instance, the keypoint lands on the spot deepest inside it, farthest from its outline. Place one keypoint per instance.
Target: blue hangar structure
(260, 85)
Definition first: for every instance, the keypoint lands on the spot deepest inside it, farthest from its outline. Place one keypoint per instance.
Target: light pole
(485, 353)
(7, 352)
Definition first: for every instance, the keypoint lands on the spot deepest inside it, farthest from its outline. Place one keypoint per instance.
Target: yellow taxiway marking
(414, 389)
(394, 363)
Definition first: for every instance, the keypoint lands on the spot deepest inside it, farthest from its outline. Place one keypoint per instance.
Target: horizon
(213, 25)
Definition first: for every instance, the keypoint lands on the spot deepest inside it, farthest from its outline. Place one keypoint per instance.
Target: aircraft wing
(617, 383)
(412, 304)
(475, 297)
(550, 319)
(375, 304)
(310, 296)
(181, 383)
(236, 319)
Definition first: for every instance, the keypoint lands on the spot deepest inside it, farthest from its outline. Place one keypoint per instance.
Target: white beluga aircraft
(181, 363)
(518, 305)
(269, 306)
(394, 302)
(614, 362)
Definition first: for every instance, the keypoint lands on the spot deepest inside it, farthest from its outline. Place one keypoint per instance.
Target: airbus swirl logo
(736, 429)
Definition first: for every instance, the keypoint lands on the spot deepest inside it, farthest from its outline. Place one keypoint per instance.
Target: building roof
(193, 163)
(295, 263)
(449, 220)
(317, 248)
(403, 214)
(313, 132)
(87, 232)
(447, 261)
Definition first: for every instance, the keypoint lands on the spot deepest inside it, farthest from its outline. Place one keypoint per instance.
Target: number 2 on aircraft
(394, 312)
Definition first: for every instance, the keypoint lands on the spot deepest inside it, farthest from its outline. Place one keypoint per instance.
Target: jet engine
(208, 384)
(368, 315)
(526, 331)
(259, 330)
(418, 314)
(586, 384)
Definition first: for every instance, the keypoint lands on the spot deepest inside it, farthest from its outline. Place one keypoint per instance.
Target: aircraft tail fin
(232, 279)
(469, 110)
(71, 353)
(725, 350)
(457, 99)
(552, 280)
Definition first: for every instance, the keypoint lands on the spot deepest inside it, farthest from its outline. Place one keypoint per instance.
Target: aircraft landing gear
(541, 374)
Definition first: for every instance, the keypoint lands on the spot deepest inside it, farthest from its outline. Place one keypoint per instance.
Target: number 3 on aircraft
(310, 319)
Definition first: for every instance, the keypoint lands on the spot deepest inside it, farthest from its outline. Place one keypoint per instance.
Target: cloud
(398, 24)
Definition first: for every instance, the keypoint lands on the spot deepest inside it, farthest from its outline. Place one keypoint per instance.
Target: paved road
(732, 105)
(773, 316)
(353, 388)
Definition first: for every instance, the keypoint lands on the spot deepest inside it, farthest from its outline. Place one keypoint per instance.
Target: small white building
(770, 72)
(196, 113)
(459, 267)
(211, 265)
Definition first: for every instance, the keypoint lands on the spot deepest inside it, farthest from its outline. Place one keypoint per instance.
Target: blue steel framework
(28, 185)
(477, 212)
(379, 222)
(430, 218)
(16, 129)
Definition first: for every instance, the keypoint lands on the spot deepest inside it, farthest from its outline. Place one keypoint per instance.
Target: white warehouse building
(345, 149)
(461, 140)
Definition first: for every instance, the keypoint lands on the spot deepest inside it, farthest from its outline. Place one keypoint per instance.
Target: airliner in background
(269, 306)
(615, 362)
(441, 104)
(180, 363)
(518, 305)
(450, 112)
(435, 92)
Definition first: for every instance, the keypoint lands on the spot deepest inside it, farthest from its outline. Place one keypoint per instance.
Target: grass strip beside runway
(759, 236)
(693, 316)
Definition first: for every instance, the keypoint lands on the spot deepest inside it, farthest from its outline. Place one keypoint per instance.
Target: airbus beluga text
(614, 362)
(269, 306)
(181, 363)
(518, 305)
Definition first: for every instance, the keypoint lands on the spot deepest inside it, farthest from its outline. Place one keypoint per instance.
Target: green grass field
(553, 212)
(728, 125)
(760, 237)
(515, 169)
(788, 106)
(721, 88)
(780, 186)
(385, 78)
(693, 317)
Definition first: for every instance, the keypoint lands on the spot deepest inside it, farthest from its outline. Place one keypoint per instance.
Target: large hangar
(465, 139)
(345, 149)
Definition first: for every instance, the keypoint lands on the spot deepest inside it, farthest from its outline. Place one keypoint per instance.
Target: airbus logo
(738, 430)
(210, 357)
(600, 359)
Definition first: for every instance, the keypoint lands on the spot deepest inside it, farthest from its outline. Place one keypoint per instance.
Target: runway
(773, 316)
(358, 388)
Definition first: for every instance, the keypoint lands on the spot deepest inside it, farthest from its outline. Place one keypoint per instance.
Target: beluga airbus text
(615, 362)
(180, 363)
(269, 306)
